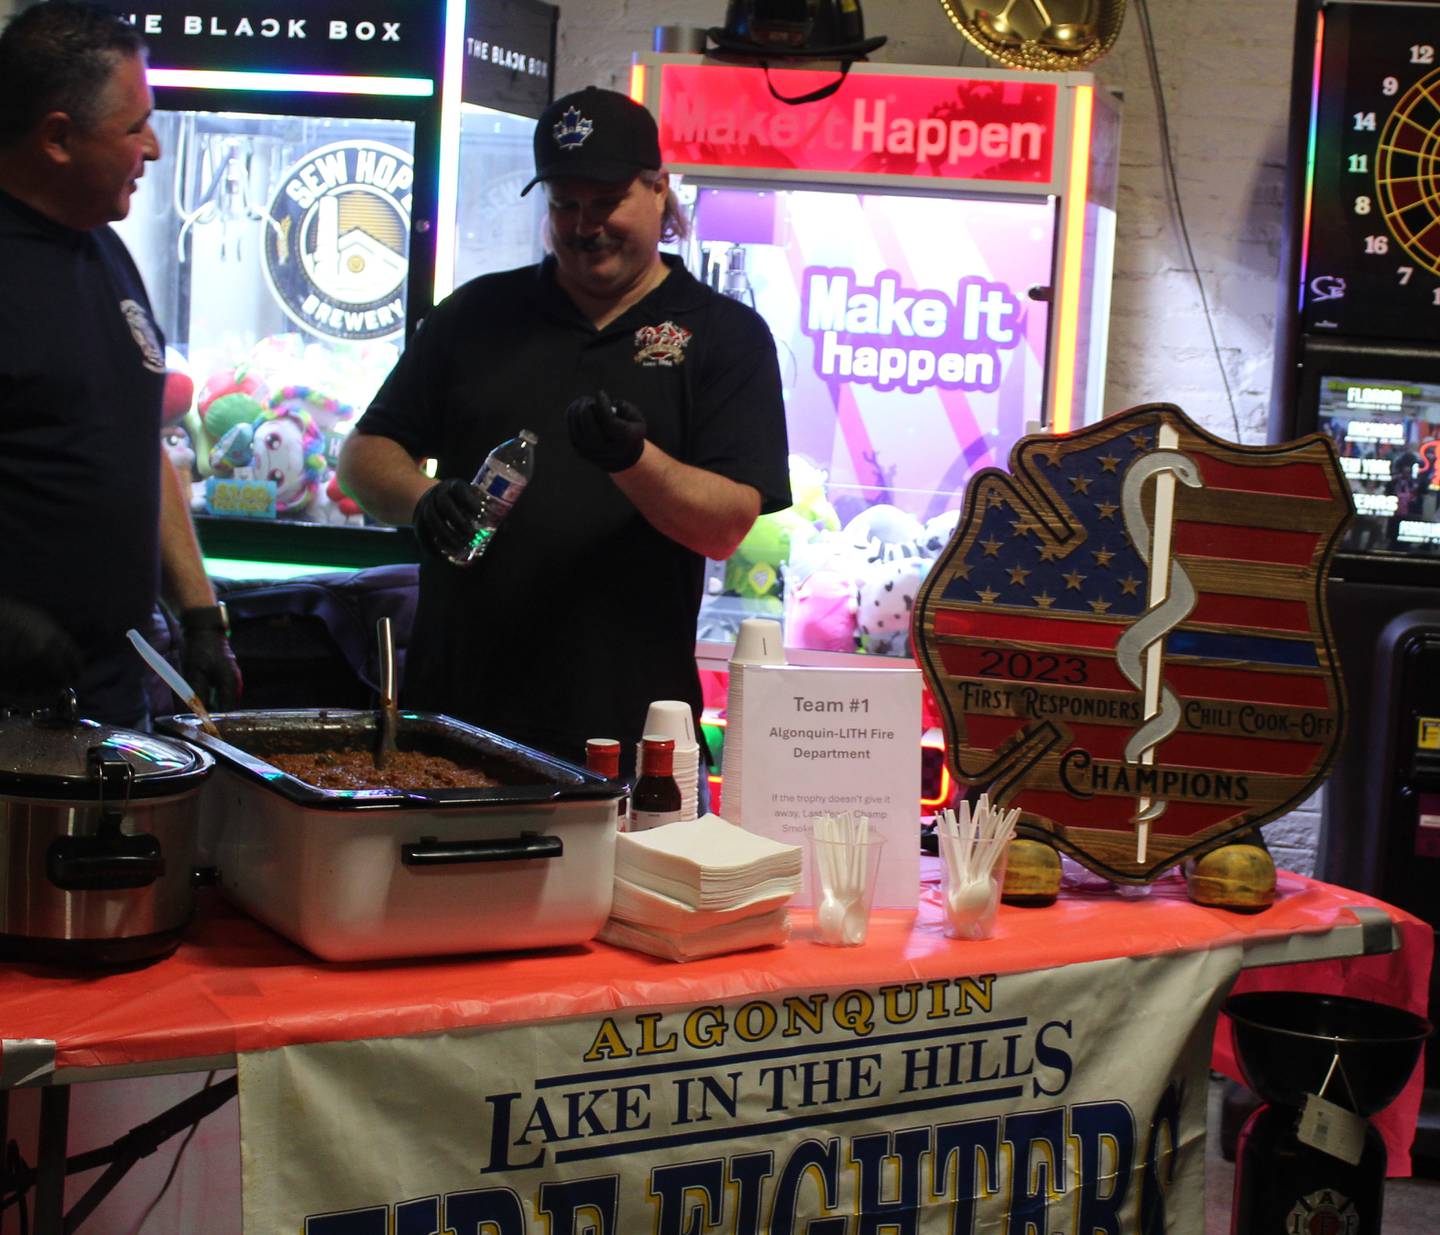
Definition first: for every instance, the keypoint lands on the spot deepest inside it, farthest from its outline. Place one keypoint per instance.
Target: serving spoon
(389, 712)
(171, 677)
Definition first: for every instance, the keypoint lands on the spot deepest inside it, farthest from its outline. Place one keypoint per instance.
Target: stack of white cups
(760, 641)
(672, 718)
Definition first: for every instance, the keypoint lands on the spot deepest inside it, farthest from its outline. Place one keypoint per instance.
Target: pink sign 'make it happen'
(878, 124)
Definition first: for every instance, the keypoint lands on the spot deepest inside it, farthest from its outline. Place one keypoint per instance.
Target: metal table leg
(50, 1167)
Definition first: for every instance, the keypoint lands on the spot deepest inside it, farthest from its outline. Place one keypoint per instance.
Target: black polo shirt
(81, 376)
(580, 613)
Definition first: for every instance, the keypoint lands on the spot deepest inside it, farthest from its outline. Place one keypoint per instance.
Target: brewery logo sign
(337, 247)
(1128, 636)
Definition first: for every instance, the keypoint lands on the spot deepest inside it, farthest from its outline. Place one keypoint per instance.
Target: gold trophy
(1049, 35)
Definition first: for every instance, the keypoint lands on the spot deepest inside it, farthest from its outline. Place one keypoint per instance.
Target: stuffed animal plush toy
(938, 532)
(820, 609)
(287, 451)
(807, 495)
(753, 570)
(887, 597)
(885, 532)
(218, 416)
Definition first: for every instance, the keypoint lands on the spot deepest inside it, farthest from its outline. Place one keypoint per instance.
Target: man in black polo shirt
(90, 508)
(661, 437)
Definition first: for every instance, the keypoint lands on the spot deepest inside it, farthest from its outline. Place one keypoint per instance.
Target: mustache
(590, 244)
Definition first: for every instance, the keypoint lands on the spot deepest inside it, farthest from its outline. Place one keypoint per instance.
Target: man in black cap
(661, 437)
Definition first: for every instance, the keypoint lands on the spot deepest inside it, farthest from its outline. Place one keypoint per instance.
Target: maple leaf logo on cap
(572, 129)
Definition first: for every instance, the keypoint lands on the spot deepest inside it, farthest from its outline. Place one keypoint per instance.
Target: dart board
(1372, 260)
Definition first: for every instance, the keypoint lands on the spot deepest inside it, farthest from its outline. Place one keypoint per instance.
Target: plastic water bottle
(499, 483)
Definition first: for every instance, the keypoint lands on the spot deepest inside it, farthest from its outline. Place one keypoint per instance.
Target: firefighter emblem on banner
(1128, 637)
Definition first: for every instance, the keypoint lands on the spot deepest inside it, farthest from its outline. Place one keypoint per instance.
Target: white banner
(1056, 1101)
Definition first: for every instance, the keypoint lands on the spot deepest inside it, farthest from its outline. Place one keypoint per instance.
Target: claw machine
(932, 249)
(508, 79)
(301, 220)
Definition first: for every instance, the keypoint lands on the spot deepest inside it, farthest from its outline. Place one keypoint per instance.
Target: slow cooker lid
(49, 754)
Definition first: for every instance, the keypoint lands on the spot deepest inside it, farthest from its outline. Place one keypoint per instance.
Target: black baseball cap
(594, 134)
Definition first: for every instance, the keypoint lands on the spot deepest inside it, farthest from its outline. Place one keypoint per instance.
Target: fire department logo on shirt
(661, 346)
(337, 248)
(142, 330)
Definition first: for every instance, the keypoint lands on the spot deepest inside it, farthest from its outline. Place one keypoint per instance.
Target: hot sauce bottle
(602, 756)
(655, 799)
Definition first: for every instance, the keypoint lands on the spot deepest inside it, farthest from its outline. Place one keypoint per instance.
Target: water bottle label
(496, 484)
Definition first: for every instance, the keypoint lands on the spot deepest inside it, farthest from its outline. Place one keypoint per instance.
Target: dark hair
(58, 56)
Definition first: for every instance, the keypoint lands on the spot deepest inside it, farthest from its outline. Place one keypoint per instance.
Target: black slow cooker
(97, 839)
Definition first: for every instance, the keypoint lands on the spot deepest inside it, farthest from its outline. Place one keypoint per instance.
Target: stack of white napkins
(700, 887)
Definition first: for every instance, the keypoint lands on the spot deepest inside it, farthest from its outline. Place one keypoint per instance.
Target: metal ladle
(389, 711)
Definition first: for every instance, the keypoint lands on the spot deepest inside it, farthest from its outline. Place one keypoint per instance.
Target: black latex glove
(37, 657)
(608, 432)
(445, 517)
(206, 660)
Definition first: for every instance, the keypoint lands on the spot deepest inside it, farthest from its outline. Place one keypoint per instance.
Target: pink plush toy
(820, 611)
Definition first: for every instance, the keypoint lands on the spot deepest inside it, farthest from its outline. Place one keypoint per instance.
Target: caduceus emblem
(1140, 650)
(1127, 636)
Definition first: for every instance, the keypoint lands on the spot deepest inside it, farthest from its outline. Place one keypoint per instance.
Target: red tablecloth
(234, 985)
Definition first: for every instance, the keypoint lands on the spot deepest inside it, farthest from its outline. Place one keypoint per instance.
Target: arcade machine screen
(1388, 436)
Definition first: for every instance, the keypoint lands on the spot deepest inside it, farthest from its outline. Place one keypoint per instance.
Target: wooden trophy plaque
(1128, 639)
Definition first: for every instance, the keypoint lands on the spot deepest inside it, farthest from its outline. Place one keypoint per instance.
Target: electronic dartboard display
(1357, 351)
(1371, 256)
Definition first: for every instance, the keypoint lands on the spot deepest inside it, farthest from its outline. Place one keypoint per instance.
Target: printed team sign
(1128, 636)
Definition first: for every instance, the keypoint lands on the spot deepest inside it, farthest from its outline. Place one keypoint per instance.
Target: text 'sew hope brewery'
(338, 245)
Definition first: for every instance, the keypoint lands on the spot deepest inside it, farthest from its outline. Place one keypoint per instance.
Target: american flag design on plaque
(1128, 638)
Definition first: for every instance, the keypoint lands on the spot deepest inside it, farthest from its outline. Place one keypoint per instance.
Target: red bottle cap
(602, 756)
(657, 756)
